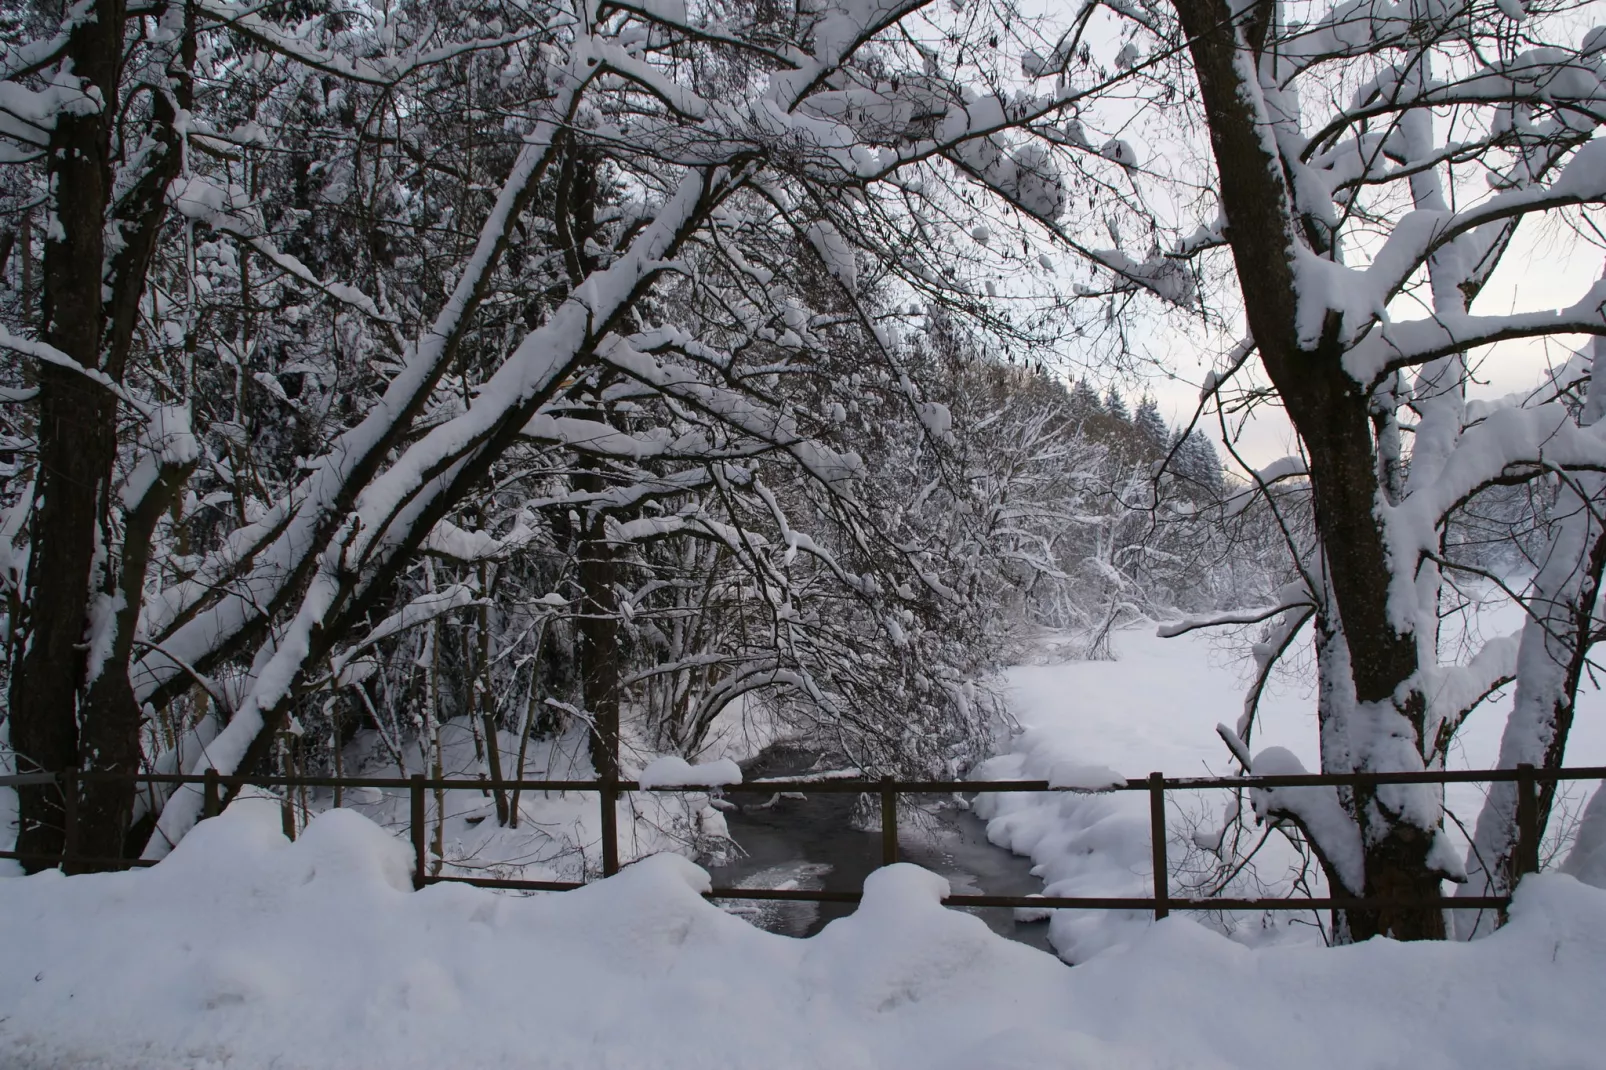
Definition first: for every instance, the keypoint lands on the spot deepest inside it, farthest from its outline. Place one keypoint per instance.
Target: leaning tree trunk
(1551, 657)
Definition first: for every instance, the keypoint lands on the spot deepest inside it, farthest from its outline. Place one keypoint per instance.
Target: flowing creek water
(810, 843)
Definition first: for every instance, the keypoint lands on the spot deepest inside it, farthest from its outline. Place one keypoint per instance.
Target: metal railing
(1527, 778)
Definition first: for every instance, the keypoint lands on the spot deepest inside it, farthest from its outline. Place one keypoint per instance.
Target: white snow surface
(673, 771)
(1155, 708)
(244, 950)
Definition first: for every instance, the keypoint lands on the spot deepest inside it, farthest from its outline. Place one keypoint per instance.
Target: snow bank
(1083, 844)
(244, 950)
(1155, 708)
(672, 771)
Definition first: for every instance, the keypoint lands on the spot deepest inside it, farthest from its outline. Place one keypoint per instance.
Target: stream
(811, 844)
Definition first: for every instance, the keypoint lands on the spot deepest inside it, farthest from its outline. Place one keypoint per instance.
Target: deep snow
(1154, 709)
(244, 950)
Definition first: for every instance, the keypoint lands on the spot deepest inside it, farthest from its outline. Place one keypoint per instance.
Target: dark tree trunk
(598, 634)
(69, 710)
(1331, 413)
(77, 435)
(109, 740)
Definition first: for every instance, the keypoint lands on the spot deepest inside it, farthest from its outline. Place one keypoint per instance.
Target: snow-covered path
(245, 951)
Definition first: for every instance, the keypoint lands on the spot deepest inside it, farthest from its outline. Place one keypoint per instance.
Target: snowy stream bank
(810, 843)
(1155, 708)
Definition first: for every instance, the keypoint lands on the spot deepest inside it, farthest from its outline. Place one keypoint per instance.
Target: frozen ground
(1155, 708)
(243, 950)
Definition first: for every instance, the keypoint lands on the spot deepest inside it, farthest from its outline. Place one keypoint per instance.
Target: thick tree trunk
(77, 436)
(1332, 414)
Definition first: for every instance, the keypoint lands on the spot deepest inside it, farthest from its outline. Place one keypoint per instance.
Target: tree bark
(77, 442)
(1331, 413)
(598, 633)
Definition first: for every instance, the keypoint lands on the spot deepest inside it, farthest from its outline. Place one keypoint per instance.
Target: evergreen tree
(1151, 425)
(1197, 463)
(1115, 405)
(1085, 400)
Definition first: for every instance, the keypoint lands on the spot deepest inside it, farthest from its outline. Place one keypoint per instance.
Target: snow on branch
(1317, 811)
(1453, 691)
(1239, 616)
(426, 607)
(383, 70)
(1508, 441)
(1420, 233)
(204, 200)
(49, 354)
(1262, 479)
(1397, 345)
(29, 117)
(277, 548)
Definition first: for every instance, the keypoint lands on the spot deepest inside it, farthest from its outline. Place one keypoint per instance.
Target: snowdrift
(245, 950)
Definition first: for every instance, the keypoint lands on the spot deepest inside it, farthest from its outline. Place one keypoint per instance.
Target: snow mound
(1084, 844)
(1076, 776)
(244, 950)
(675, 772)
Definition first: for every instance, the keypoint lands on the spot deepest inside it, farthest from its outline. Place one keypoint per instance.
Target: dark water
(811, 843)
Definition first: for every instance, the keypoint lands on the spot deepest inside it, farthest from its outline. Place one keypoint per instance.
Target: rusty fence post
(418, 827)
(69, 819)
(1162, 891)
(211, 797)
(889, 821)
(1527, 821)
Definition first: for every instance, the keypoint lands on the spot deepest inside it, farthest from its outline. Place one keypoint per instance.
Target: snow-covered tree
(1369, 165)
(413, 274)
(1150, 425)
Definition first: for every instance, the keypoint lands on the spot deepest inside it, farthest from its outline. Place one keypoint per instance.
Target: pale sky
(1546, 267)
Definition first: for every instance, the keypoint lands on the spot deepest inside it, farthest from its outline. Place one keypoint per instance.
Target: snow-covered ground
(559, 834)
(1154, 709)
(243, 950)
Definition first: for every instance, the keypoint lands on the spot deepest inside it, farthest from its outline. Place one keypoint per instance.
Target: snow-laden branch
(243, 582)
(1509, 440)
(49, 354)
(1540, 76)
(428, 606)
(1240, 616)
(1397, 345)
(1332, 832)
(206, 201)
(1453, 691)
(1263, 479)
(384, 70)
(1420, 233)
(389, 509)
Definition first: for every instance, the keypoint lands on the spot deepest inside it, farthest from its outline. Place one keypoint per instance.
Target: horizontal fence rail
(214, 785)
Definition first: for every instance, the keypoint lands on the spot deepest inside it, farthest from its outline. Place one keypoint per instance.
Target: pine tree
(1115, 405)
(1151, 425)
(1198, 463)
(1085, 400)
